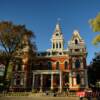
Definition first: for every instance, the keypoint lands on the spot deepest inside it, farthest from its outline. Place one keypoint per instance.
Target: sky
(41, 16)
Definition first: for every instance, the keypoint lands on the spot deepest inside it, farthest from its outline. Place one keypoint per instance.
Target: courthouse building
(58, 68)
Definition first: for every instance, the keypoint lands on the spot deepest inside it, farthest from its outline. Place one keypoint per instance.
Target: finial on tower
(58, 28)
(58, 20)
(76, 32)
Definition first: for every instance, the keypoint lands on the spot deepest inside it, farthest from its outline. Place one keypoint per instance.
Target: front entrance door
(47, 82)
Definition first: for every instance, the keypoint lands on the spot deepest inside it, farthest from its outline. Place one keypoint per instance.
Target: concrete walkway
(40, 98)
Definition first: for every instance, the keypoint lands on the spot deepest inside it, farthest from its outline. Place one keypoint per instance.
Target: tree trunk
(5, 74)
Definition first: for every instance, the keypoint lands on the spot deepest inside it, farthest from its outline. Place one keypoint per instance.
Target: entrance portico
(42, 74)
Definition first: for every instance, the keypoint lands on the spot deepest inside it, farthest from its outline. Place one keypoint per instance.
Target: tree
(95, 23)
(94, 72)
(11, 40)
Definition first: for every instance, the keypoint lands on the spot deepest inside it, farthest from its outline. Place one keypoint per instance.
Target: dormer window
(76, 41)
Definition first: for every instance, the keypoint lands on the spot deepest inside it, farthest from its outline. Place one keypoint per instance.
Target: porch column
(60, 81)
(41, 82)
(33, 81)
(82, 81)
(74, 81)
(70, 80)
(24, 67)
(73, 65)
(82, 65)
(51, 81)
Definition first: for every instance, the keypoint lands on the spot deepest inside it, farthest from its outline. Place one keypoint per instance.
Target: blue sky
(41, 16)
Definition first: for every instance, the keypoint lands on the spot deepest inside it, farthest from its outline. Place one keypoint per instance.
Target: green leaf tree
(94, 72)
(95, 23)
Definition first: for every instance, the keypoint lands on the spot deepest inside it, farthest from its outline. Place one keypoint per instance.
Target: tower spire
(58, 28)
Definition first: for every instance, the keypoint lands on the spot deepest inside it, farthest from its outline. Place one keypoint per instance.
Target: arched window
(56, 45)
(76, 41)
(53, 45)
(41, 65)
(77, 63)
(66, 65)
(78, 79)
(57, 34)
(18, 67)
(66, 78)
(57, 79)
(59, 45)
(49, 65)
(57, 65)
(18, 80)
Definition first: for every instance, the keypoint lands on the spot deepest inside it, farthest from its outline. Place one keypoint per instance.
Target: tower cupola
(57, 39)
